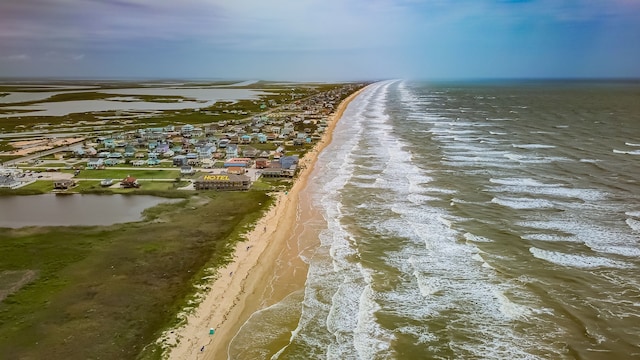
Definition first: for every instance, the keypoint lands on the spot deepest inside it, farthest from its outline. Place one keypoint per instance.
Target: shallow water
(71, 210)
(495, 221)
(198, 98)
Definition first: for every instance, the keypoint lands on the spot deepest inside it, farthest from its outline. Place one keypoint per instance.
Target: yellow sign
(216, 177)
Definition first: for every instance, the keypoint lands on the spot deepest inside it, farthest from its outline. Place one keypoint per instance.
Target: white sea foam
(476, 238)
(533, 146)
(627, 152)
(632, 144)
(433, 274)
(521, 182)
(523, 203)
(577, 261)
(370, 339)
(633, 224)
(510, 309)
(633, 213)
(558, 192)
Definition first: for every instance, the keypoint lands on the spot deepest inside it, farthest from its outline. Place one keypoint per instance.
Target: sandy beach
(266, 268)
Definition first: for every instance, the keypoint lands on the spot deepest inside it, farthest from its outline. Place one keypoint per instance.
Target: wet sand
(265, 269)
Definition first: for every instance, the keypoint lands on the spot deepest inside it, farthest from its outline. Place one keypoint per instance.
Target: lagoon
(196, 98)
(74, 210)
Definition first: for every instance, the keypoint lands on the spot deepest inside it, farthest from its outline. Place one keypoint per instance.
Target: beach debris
(211, 332)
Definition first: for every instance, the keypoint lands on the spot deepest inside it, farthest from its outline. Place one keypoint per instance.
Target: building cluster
(236, 144)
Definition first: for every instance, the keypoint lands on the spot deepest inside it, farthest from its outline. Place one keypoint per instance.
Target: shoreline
(238, 290)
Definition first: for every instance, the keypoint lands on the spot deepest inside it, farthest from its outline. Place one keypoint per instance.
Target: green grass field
(117, 175)
(107, 292)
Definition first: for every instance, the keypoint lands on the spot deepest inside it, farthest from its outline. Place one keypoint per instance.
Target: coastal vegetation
(106, 292)
(82, 292)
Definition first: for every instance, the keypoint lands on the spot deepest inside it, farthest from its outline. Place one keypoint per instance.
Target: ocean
(470, 221)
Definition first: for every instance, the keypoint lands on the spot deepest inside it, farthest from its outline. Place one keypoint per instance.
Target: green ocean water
(471, 221)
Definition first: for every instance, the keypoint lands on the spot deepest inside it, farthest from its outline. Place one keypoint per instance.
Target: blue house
(205, 152)
(232, 151)
(152, 162)
(288, 161)
(95, 163)
(129, 151)
(162, 148)
(109, 143)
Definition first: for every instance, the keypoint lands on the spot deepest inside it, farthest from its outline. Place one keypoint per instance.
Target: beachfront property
(286, 166)
(223, 182)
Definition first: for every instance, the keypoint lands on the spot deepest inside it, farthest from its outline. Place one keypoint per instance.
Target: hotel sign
(216, 178)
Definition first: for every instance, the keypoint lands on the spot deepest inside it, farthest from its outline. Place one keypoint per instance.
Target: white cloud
(16, 57)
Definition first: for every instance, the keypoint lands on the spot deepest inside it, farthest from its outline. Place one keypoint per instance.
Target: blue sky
(322, 40)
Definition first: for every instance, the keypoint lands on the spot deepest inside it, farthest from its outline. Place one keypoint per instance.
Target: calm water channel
(70, 210)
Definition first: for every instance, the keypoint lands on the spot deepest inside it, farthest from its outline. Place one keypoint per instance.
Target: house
(193, 162)
(109, 143)
(112, 162)
(289, 164)
(207, 163)
(250, 152)
(187, 129)
(95, 163)
(187, 170)
(231, 151)
(63, 184)
(245, 139)
(129, 151)
(153, 162)
(162, 148)
(237, 170)
(179, 160)
(242, 162)
(205, 152)
(274, 170)
(9, 181)
(138, 163)
(168, 153)
(262, 163)
(129, 182)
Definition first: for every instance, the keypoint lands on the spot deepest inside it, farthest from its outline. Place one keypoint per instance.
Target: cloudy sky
(320, 39)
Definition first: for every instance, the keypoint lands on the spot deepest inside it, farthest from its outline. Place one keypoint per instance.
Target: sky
(320, 40)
